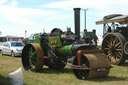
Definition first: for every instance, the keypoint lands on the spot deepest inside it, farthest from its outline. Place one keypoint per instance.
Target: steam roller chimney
(77, 22)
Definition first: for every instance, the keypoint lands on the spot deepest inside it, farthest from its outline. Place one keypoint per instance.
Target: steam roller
(53, 50)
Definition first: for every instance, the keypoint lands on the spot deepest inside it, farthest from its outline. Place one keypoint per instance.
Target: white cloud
(22, 15)
(2, 1)
(55, 18)
(101, 6)
(14, 3)
(17, 19)
(77, 3)
(8, 11)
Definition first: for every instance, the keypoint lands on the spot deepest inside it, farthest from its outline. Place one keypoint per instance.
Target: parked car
(13, 48)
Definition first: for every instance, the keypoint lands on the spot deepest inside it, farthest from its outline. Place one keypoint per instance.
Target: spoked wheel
(32, 57)
(81, 73)
(113, 45)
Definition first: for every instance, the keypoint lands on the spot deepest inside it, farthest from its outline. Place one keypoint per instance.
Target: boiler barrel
(65, 50)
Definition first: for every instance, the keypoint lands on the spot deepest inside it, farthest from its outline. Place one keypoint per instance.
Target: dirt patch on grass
(8, 61)
(9, 64)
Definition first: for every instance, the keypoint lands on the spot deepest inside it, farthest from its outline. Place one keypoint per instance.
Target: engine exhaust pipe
(77, 22)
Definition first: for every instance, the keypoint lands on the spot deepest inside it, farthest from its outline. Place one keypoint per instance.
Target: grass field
(118, 75)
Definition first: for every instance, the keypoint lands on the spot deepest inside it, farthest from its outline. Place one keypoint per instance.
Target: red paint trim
(53, 42)
(80, 67)
(46, 57)
(79, 53)
(51, 36)
(21, 38)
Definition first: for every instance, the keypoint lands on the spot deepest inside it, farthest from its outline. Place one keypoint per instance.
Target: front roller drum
(90, 65)
(32, 57)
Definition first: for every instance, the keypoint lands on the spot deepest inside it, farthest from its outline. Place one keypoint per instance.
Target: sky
(37, 16)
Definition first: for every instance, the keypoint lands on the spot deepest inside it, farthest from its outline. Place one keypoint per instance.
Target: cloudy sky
(16, 16)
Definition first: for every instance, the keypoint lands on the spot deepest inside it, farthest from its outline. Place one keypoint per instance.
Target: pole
(85, 17)
(25, 33)
(0, 33)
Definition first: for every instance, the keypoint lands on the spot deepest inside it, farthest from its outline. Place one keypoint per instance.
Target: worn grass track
(117, 76)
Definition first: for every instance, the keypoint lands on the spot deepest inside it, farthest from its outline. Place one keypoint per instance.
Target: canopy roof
(122, 19)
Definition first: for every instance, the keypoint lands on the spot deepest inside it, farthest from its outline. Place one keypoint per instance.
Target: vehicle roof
(120, 19)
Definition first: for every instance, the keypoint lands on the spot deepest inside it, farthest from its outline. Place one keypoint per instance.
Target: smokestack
(77, 22)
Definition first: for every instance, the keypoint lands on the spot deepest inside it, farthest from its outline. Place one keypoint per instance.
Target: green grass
(118, 75)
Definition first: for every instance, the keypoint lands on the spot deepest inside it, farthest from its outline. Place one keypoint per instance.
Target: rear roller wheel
(32, 57)
(81, 73)
(113, 45)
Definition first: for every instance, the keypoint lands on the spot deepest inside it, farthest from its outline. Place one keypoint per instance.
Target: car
(13, 48)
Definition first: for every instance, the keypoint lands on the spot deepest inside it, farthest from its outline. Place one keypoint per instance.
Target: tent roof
(120, 19)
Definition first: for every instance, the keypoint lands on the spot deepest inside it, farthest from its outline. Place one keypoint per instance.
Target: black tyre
(80, 73)
(113, 46)
(32, 57)
(12, 54)
(56, 32)
(1, 53)
(126, 48)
